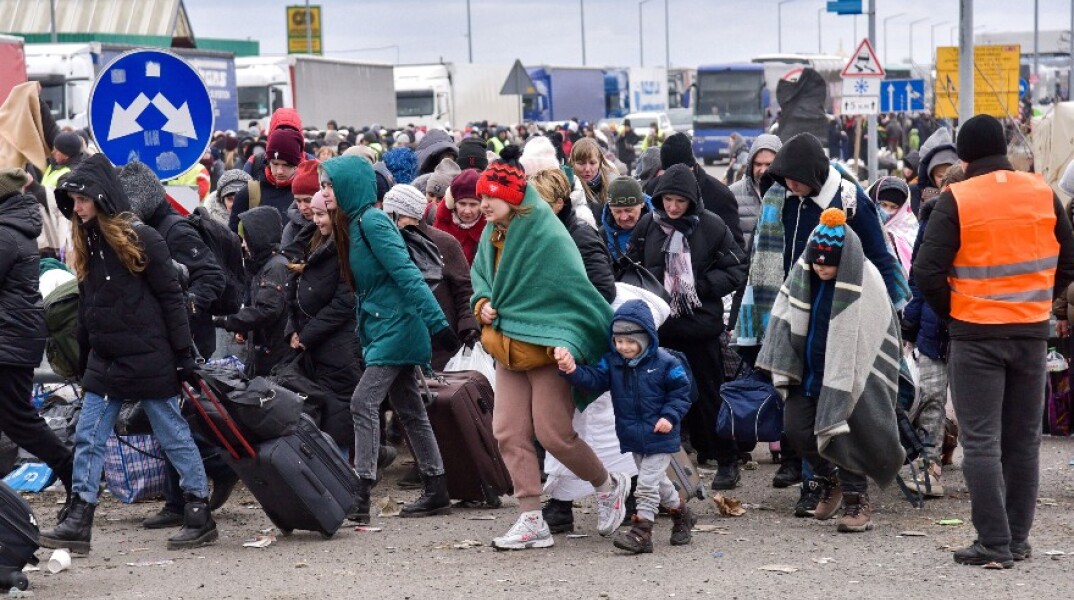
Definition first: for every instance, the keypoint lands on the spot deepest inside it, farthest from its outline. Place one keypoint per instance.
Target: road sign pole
(309, 29)
(873, 156)
(965, 61)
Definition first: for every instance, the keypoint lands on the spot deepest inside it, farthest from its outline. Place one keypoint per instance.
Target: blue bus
(730, 98)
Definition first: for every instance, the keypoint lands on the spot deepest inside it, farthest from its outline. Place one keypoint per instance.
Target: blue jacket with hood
(656, 386)
(617, 238)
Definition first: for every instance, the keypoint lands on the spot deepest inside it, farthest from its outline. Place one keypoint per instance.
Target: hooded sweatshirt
(22, 314)
(644, 390)
(435, 143)
(132, 327)
(747, 190)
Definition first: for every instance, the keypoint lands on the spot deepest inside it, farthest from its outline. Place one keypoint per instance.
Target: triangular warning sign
(863, 63)
(518, 82)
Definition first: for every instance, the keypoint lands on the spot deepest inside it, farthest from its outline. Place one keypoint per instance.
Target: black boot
(434, 499)
(978, 554)
(64, 472)
(199, 529)
(727, 476)
(410, 481)
(75, 531)
(559, 515)
(165, 519)
(222, 489)
(788, 474)
(360, 513)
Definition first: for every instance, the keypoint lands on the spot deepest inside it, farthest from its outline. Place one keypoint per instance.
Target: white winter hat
(405, 200)
(538, 155)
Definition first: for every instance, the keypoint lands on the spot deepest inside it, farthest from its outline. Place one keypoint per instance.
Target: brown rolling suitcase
(460, 411)
(686, 478)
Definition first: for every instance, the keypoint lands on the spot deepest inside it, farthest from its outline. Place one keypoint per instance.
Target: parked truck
(635, 89)
(564, 93)
(13, 59)
(67, 72)
(457, 93)
(352, 93)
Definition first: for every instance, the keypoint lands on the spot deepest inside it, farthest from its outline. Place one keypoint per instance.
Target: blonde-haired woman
(135, 345)
(593, 172)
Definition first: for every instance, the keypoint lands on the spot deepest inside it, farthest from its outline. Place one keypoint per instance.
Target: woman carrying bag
(136, 346)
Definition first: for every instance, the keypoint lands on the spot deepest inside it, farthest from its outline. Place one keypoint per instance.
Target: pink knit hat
(318, 204)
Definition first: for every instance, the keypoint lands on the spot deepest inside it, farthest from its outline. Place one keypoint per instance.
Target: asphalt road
(417, 558)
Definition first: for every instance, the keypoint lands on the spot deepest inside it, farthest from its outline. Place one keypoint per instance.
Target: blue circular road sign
(153, 107)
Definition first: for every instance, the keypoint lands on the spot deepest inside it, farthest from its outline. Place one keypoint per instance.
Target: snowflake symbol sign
(861, 87)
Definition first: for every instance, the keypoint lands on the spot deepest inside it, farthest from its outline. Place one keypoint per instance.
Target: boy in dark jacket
(262, 320)
(651, 394)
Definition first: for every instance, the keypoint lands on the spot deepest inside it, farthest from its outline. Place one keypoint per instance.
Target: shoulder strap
(253, 187)
(361, 231)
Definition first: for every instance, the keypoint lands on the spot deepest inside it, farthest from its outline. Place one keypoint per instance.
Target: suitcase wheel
(17, 579)
(327, 536)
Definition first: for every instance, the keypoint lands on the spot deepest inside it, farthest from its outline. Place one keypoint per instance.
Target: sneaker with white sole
(529, 531)
(611, 506)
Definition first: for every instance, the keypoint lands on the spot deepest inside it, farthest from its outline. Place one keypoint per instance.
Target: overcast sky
(548, 31)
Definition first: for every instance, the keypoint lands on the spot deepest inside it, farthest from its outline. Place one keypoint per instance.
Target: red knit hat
(504, 179)
(307, 181)
(285, 145)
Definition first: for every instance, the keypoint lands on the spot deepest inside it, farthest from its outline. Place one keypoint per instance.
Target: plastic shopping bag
(474, 359)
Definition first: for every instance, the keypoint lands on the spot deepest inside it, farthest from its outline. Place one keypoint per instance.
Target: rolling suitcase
(460, 410)
(18, 539)
(685, 477)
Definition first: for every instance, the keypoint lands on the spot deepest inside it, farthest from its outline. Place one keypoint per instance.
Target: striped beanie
(504, 178)
(825, 246)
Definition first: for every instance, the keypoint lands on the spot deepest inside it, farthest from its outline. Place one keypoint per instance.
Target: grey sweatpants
(997, 387)
(654, 488)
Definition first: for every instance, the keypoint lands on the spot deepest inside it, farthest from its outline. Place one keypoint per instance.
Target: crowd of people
(827, 287)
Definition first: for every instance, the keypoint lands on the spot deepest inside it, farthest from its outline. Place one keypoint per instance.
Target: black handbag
(132, 420)
(425, 255)
(298, 375)
(265, 409)
(633, 273)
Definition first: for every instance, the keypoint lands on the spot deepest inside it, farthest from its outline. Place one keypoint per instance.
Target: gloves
(471, 337)
(188, 369)
(446, 340)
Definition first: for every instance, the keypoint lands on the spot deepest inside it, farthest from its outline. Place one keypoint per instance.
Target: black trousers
(799, 420)
(21, 422)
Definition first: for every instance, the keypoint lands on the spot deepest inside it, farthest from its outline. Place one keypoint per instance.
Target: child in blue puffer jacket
(650, 391)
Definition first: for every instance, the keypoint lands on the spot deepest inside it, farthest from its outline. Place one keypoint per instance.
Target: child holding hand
(650, 392)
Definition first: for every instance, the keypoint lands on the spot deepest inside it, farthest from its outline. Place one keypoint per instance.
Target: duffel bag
(18, 539)
(751, 410)
(264, 408)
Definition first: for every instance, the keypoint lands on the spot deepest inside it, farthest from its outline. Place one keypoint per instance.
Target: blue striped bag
(134, 467)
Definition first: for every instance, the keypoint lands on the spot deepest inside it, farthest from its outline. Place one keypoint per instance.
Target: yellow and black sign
(298, 42)
(995, 81)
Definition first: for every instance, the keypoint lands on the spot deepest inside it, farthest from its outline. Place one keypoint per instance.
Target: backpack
(422, 250)
(227, 250)
(61, 320)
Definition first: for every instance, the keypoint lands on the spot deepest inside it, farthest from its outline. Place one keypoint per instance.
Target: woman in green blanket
(531, 294)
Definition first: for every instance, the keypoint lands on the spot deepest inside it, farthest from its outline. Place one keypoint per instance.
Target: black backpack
(226, 248)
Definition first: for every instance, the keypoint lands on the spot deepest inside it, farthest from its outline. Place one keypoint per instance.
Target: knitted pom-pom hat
(504, 178)
(825, 246)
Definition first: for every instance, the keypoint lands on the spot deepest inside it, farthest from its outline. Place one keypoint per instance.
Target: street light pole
(667, 37)
(1036, 48)
(887, 58)
(581, 6)
(932, 39)
(965, 61)
(309, 29)
(779, 23)
(820, 11)
(641, 36)
(469, 32)
(911, 52)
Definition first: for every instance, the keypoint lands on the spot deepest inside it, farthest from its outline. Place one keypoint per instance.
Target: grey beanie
(142, 188)
(231, 182)
(421, 182)
(442, 177)
(632, 330)
(1066, 183)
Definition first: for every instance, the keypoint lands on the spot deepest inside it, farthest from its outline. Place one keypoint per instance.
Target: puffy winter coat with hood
(719, 266)
(434, 144)
(132, 327)
(920, 324)
(938, 149)
(22, 314)
(644, 390)
(747, 191)
(595, 256)
(396, 310)
(264, 314)
(297, 234)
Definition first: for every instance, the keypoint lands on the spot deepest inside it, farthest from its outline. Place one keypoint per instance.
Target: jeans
(400, 385)
(215, 469)
(654, 488)
(95, 425)
(997, 387)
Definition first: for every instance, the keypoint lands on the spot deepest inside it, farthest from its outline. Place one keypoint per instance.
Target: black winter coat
(717, 198)
(22, 314)
(322, 313)
(719, 264)
(595, 255)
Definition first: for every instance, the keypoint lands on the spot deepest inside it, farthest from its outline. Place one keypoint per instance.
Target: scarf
(766, 269)
(540, 289)
(901, 229)
(855, 419)
(678, 267)
(463, 226)
(282, 184)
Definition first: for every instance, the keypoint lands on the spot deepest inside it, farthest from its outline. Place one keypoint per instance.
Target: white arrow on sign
(179, 119)
(125, 120)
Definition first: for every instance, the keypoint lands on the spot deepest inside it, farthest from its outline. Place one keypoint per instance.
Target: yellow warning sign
(995, 81)
(297, 40)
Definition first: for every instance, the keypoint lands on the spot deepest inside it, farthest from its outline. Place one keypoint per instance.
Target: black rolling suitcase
(18, 539)
(300, 479)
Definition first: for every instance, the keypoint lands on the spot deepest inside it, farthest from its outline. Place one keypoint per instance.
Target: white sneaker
(611, 506)
(529, 531)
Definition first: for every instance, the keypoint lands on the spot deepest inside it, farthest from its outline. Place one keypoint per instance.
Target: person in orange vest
(997, 250)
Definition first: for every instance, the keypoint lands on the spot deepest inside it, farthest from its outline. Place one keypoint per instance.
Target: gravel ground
(418, 558)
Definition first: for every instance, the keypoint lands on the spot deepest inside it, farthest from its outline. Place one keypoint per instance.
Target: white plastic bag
(474, 359)
(1057, 363)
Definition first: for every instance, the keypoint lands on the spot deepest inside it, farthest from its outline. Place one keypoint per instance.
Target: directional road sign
(902, 95)
(151, 106)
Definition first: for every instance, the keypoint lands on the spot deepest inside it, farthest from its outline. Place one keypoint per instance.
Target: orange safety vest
(1004, 271)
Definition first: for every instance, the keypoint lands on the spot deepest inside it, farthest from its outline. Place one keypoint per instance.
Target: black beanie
(472, 154)
(979, 137)
(69, 143)
(677, 150)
